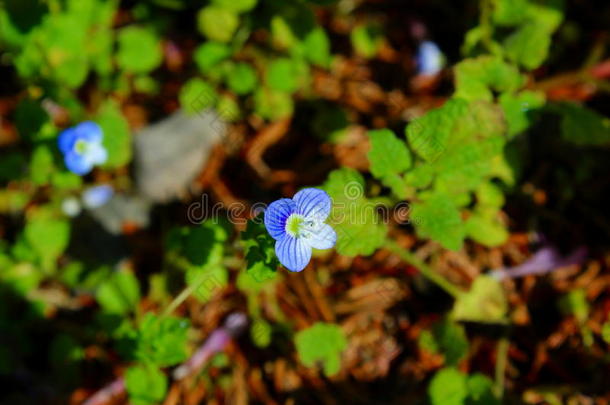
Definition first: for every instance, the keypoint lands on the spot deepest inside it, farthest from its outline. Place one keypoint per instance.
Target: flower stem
(424, 269)
(501, 360)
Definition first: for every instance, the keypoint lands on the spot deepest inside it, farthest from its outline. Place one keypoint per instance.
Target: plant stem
(424, 269)
(501, 360)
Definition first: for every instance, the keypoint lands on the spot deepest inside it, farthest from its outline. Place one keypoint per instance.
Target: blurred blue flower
(82, 147)
(297, 225)
(430, 59)
(97, 196)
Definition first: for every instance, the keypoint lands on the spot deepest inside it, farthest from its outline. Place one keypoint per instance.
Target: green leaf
(228, 109)
(145, 385)
(359, 229)
(489, 195)
(477, 78)
(260, 332)
(117, 136)
(290, 24)
(480, 391)
(451, 340)
(465, 166)
(582, 126)
(208, 281)
(485, 302)
(322, 342)
(317, 47)
(139, 50)
(520, 109)
(575, 303)
(388, 155)
(273, 105)
(510, 12)
(529, 45)
(217, 23)
(47, 236)
(486, 231)
(448, 387)
(204, 245)
(197, 95)
(366, 40)
(209, 55)
(30, 118)
(261, 260)
(239, 6)
(66, 180)
(439, 219)
(429, 135)
(389, 158)
(286, 75)
(242, 78)
(161, 341)
(119, 293)
(42, 165)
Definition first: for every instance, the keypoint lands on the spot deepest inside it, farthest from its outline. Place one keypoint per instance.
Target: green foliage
(197, 95)
(42, 165)
(450, 339)
(366, 40)
(575, 303)
(239, 6)
(448, 387)
(520, 109)
(139, 50)
(145, 384)
(582, 126)
(478, 78)
(389, 158)
(260, 332)
(209, 54)
(161, 341)
(485, 302)
(322, 342)
(286, 75)
(47, 236)
(217, 23)
(359, 229)
(119, 293)
(117, 136)
(260, 251)
(438, 218)
(272, 104)
(242, 78)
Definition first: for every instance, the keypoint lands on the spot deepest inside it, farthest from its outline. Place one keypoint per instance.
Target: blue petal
(77, 163)
(429, 58)
(66, 140)
(96, 154)
(324, 237)
(313, 203)
(293, 253)
(89, 131)
(276, 215)
(97, 196)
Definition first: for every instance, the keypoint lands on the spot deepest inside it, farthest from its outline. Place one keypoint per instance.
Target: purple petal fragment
(543, 261)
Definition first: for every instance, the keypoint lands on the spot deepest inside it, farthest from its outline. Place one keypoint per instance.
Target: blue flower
(297, 225)
(430, 59)
(96, 196)
(82, 147)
